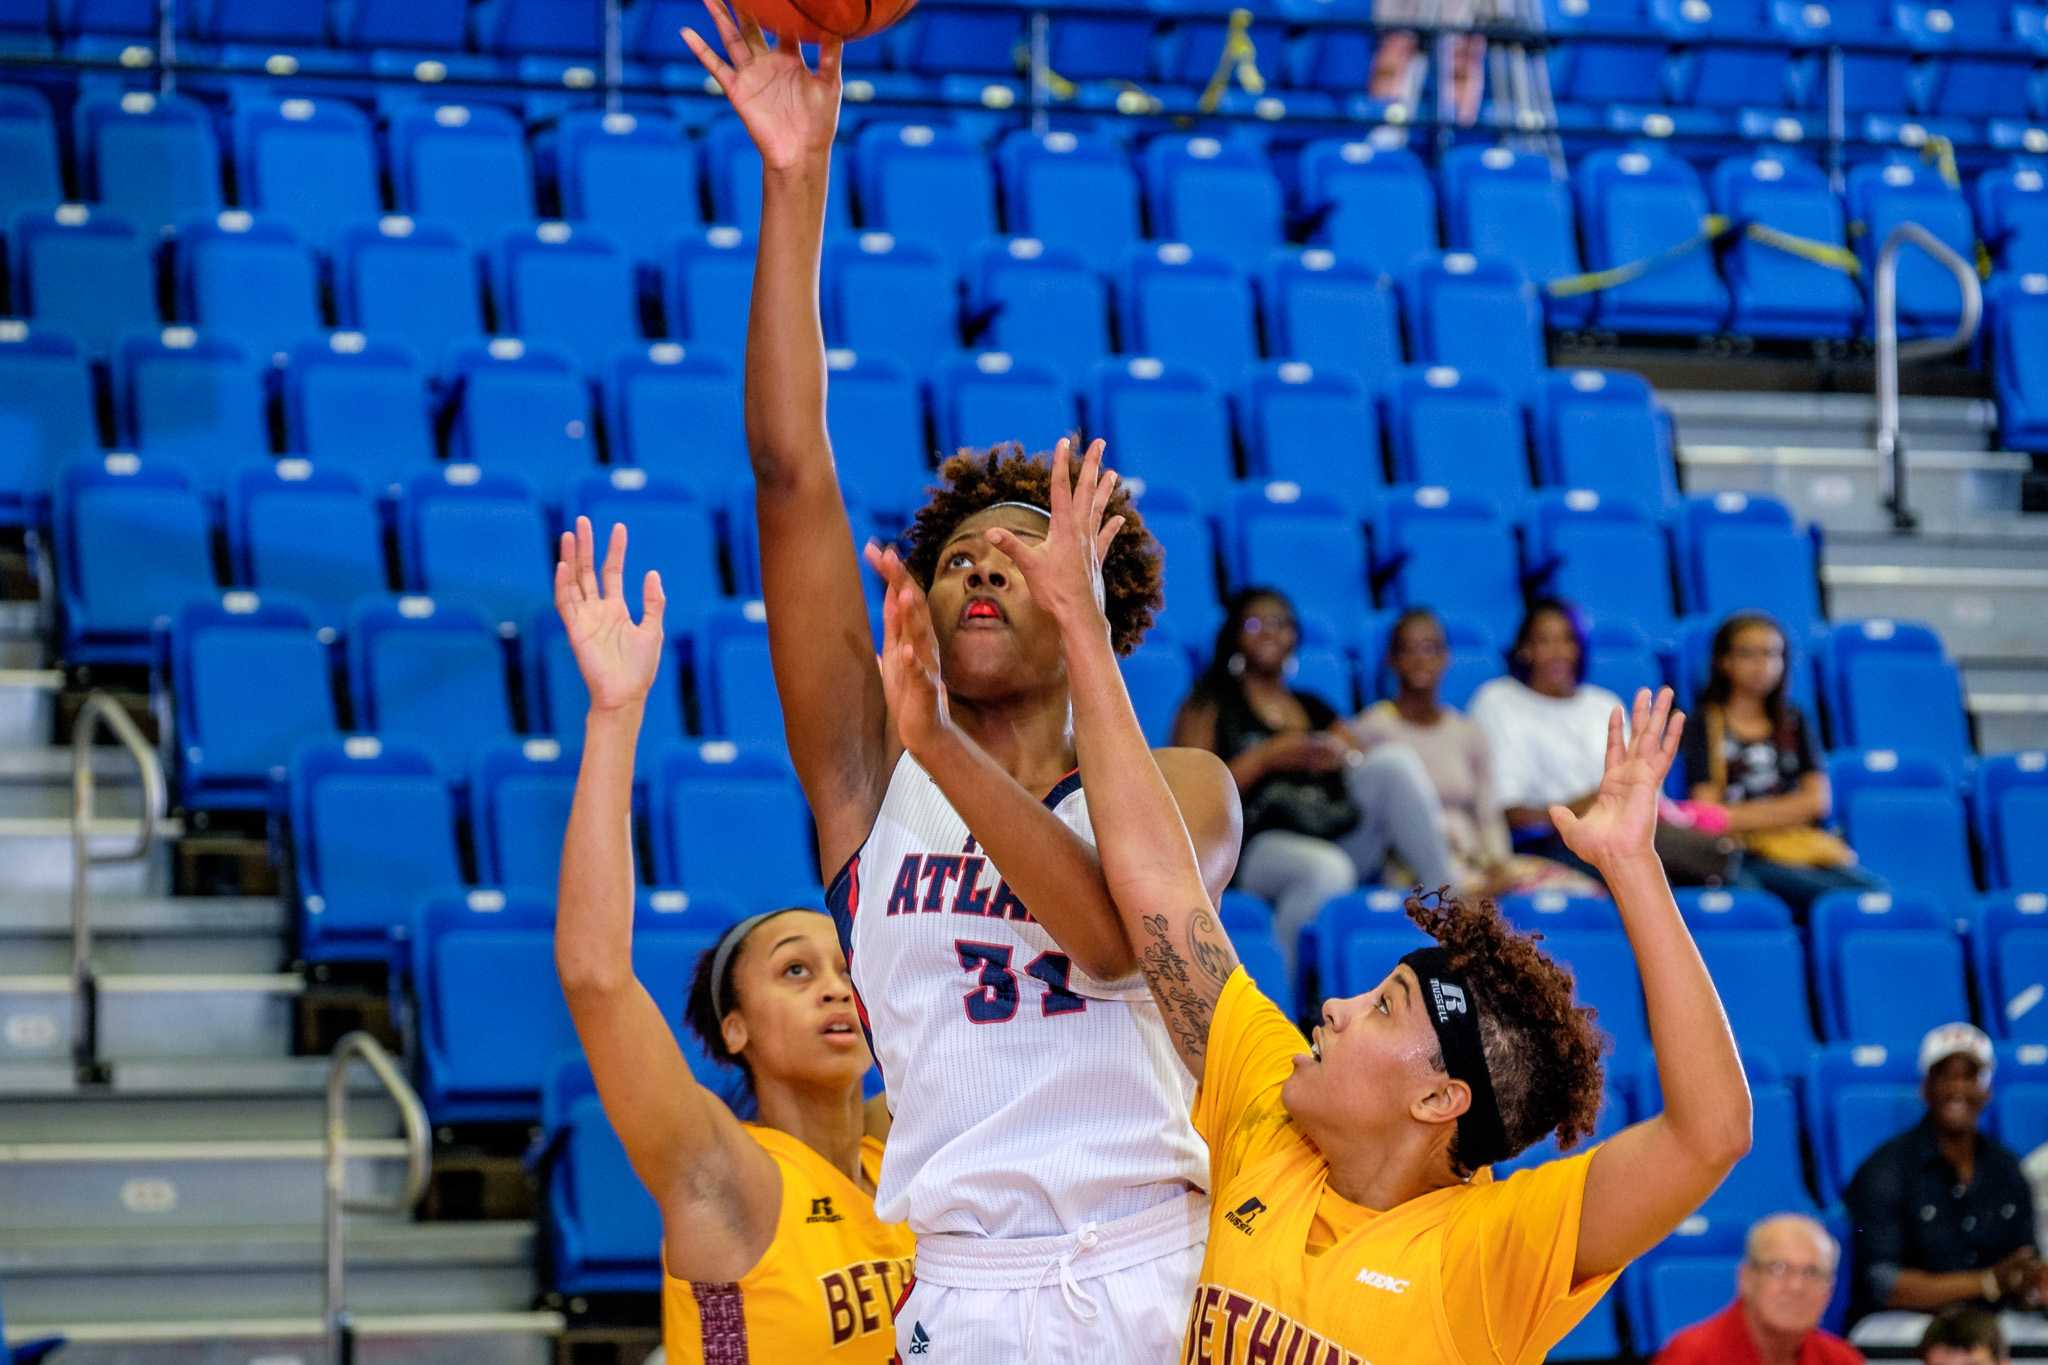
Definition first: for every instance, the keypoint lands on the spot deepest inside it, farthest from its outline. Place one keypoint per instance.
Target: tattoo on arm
(1186, 992)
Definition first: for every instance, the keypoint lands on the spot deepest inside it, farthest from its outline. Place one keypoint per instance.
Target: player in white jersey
(1041, 1150)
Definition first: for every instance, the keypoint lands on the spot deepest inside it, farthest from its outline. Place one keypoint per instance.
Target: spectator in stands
(1749, 750)
(1399, 65)
(1546, 727)
(1781, 1290)
(1941, 1213)
(1460, 767)
(1319, 814)
(1964, 1335)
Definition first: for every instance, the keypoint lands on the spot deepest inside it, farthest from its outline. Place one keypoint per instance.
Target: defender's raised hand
(788, 109)
(1623, 819)
(1064, 570)
(618, 659)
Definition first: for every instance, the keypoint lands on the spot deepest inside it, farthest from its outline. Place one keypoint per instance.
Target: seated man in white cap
(1942, 1213)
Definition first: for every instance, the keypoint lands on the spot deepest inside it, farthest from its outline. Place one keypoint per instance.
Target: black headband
(1481, 1139)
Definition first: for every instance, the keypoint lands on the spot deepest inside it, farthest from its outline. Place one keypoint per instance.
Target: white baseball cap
(1951, 1040)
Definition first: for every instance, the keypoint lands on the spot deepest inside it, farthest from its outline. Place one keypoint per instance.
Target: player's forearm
(594, 915)
(785, 381)
(1706, 1096)
(1924, 1291)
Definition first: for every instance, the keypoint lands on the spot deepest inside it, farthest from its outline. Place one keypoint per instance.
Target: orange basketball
(813, 20)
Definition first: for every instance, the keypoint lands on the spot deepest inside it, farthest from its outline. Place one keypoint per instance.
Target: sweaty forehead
(1022, 520)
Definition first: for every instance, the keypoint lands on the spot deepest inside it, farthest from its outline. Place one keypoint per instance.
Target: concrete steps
(1844, 421)
(405, 1339)
(187, 1101)
(223, 1017)
(149, 934)
(1954, 492)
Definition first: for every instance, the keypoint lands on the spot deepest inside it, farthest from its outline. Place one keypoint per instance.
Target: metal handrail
(101, 708)
(1891, 447)
(340, 1339)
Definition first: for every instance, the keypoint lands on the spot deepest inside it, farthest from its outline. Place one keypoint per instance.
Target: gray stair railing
(340, 1334)
(1891, 447)
(101, 709)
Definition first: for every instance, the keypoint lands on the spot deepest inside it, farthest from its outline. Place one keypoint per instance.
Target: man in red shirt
(1782, 1288)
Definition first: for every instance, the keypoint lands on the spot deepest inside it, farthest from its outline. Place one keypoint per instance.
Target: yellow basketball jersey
(1296, 1274)
(825, 1290)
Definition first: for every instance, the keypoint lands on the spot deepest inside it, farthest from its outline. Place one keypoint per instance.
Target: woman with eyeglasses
(1320, 815)
(1751, 752)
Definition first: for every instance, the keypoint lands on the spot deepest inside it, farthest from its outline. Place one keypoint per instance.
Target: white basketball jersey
(1029, 1098)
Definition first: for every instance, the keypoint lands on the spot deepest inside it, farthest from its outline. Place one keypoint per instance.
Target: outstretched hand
(1064, 570)
(910, 656)
(618, 659)
(1622, 821)
(788, 109)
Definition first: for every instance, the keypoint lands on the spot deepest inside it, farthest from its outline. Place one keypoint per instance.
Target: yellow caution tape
(1239, 58)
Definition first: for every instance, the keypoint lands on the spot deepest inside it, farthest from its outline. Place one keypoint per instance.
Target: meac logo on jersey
(1373, 1279)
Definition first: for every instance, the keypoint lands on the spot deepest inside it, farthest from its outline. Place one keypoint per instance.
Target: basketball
(815, 20)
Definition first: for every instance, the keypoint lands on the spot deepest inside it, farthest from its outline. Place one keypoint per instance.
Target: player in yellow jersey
(1354, 1217)
(770, 1246)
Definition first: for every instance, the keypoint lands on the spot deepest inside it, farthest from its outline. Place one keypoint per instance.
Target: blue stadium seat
(420, 25)
(46, 417)
(1903, 816)
(85, 274)
(1771, 1178)
(760, 846)
(1622, 658)
(2009, 941)
(1449, 551)
(478, 539)
(926, 185)
(1613, 56)
(519, 795)
(570, 28)
(1762, 975)
(311, 163)
(1355, 940)
(135, 18)
(1330, 311)
(358, 404)
(1977, 61)
(1778, 293)
(1165, 424)
(409, 283)
(1305, 543)
(464, 167)
(874, 412)
(1458, 429)
(2019, 333)
(1884, 195)
(1266, 966)
(1479, 314)
(1606, 555)
(1192, 45)
(522, 409)
(884, 296)
(671, 529)
(373, 834)
(1716, 911)
(1188, 549)
(1718, 61)
(1044, 176)
(2012, 217)
(1613, 1117)
(1220, 198)
(633, 176)
(307, 533)
(429, 673)
(732, 167)
(252, 680)
(1892, 686)
(1637, 204)
(31, 173)
(1551, 912)
(1318, 428)
(1039, 303)
(2011, 807)
(979, 39)
(1598, 429)
(1517, 206)
(557, 702)
(489, 1017)
(1158, 677)
(1188, 309)
(991, 397)
(676, 412)
(1604, 972)
(1743, 551)
(1328, 57)
(1376, 204)
(259, 21)
(196, 399)
(735, 679)
(1858, 1096)
(1695, 638)
(1680, 1290)
(2020, 1110)
(1886, 968)
(710, 286)
(570, 285)
(150, 160)
(250, 282)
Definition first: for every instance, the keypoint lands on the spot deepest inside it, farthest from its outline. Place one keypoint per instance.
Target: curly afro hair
(973, 480)
(1543, 1049)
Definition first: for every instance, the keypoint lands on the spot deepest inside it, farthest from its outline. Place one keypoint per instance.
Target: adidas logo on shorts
(920, 1340)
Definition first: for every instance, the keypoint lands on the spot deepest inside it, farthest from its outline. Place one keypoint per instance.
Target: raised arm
(712, 1181)
(818, 637)
(1156, 884)
(1652, 1175)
